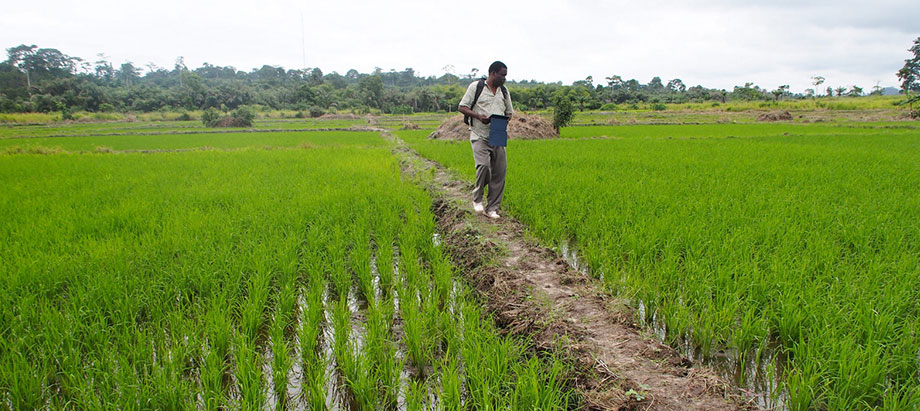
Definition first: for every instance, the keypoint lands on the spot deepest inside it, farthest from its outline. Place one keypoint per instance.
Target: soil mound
(331, 116)
(522, 126)
(784, 116)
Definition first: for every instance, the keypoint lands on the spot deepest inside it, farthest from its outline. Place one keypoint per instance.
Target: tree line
(34, 79)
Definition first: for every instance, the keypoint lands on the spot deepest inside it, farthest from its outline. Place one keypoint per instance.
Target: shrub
(184, 117)
(210, 117)
(563, 112)
(66, 114)
(610, 107)
(316, 111)
(242, 117)
(658, 107)
(403, 109)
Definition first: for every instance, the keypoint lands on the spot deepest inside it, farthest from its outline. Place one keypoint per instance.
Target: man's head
(497, 73)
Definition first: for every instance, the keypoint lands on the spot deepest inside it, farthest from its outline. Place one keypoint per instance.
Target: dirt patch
(522, 126)
(530, 291)
(332, 116)
(231, 122)
(777, 116)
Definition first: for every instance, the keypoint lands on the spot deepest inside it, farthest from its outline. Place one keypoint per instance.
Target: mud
(532, 292)
(778, 116)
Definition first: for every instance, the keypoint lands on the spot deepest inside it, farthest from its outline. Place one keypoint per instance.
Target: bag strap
(479, 86)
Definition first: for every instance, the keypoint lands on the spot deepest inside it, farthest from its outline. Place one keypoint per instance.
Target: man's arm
(469, 112)
(509, 110)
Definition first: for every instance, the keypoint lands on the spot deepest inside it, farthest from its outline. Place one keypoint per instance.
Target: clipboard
(498, 130)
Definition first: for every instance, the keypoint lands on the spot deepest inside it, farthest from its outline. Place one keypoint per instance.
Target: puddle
(571, 257)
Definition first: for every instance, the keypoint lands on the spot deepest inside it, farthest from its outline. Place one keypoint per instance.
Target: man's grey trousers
(490, 170)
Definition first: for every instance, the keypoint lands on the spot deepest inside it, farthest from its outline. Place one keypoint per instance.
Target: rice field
(788, 254)
(231, 140)
(167, 266)
(308, 276)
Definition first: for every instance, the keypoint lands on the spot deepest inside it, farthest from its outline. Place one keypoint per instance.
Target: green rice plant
(214, 372)
(903, 399)
(311, 324)
(414, 328)
(488, 361)
(381, 352)
(539, 389)
(309, 333)
(314, 386)
(176, 347)
(417, 398)
(281, 359)
(340, 278)
(452, 334)
(361, 379)
(248, 373)
(441, 276)
(451, 397)
(862, 371)
(384, 261)
(431, 311)
(360, 258)
(341, 332)
(353, 363)
(286, 306)
(252, 315)
(409, 265)
(805, 386)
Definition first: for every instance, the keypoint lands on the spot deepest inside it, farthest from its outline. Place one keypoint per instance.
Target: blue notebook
(498, 130)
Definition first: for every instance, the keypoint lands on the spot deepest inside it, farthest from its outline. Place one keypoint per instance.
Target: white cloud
(715, 43)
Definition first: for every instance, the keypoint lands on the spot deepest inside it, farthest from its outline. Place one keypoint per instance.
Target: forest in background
(43, 80)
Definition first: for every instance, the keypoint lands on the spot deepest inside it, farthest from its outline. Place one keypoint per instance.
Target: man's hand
(467, 111)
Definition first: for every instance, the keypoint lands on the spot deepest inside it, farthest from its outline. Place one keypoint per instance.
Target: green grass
(687, 131)
(191, 141)
(798, 237)
(165, 127)
(205, 279)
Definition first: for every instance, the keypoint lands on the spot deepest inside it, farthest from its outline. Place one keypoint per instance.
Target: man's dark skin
(495, 80)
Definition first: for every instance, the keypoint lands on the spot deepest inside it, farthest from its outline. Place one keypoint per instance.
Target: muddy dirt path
(532, 292)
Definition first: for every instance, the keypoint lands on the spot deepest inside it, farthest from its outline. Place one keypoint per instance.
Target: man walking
(484, 98)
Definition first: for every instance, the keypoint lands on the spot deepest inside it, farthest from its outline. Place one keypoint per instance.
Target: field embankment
(532, 292)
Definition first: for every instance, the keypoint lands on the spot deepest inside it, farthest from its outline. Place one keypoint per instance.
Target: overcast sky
(714, 43)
